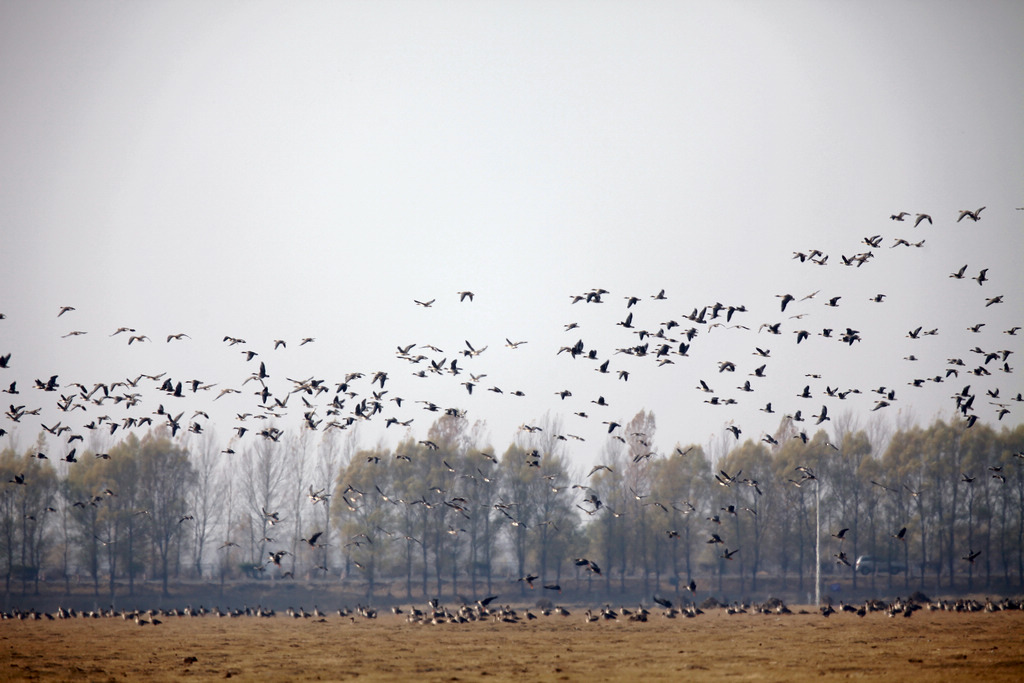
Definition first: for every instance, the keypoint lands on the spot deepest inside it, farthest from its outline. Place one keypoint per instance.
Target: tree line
(940, 507)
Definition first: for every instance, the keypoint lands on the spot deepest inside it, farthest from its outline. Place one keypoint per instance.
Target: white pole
(817, 542)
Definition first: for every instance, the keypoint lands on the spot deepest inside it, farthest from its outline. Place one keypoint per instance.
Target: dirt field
(930, 646)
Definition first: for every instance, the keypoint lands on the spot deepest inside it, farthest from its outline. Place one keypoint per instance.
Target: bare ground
(933, 646)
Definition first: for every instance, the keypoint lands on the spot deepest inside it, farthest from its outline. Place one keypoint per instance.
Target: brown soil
(932, 646)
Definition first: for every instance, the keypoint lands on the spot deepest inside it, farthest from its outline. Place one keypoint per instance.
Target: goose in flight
(973, 215)
(899, 216)
(724, 479)
(64, 309)
(922, 217)
(465, 295)
(312, 540)
(425, 304)
(982, 277)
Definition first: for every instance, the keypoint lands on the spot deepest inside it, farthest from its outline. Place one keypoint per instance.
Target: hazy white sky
(274, 170)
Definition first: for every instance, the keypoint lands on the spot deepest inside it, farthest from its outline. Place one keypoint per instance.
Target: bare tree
(205, 500)
(262, 489)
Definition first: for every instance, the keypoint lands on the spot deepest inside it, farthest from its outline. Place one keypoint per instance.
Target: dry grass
(929, 646)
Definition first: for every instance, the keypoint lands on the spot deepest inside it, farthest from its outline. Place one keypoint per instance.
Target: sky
(281, 171)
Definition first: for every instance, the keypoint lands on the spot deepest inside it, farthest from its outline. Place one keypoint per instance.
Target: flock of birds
(485, 611)
(358, 397)
(338, 404)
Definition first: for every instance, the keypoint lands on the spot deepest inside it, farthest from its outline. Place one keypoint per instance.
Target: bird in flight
(313, 539)
(973, 215)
